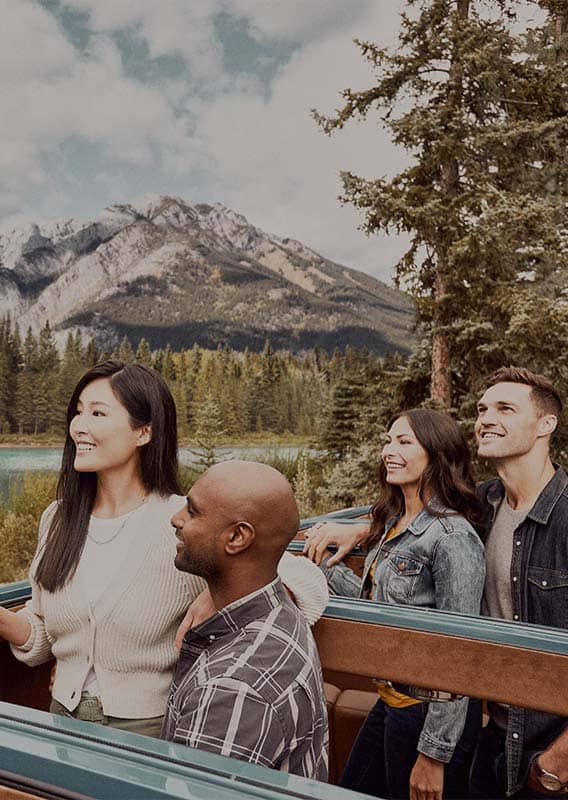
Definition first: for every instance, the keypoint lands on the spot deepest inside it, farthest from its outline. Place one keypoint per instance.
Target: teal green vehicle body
(62, 757)
(93, 761)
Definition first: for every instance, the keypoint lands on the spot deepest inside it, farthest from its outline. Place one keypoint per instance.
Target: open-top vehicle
(42, 755)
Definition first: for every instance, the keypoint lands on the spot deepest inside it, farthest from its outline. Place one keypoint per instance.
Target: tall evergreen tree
(348, 398)
(209, 430)
(168, 366)
(266, 388)
(48, 369)
(27, 386)
(71, 369)
(476, 115)
(125, 352)
(11, 362)
(92, 355)
(143, 353)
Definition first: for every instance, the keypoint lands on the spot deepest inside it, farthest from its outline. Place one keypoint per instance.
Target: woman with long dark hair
(106, 596)
(423, 550)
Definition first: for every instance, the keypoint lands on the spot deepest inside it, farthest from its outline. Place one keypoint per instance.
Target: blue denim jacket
(540, 595)
(436, 562)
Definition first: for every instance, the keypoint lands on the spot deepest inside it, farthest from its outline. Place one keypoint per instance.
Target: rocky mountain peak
(176, 272)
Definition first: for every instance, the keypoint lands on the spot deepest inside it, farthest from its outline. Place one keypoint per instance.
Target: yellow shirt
(386, 692)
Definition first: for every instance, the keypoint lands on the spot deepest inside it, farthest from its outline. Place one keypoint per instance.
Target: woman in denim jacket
(423, 551)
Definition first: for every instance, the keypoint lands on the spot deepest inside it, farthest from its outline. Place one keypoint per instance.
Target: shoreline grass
(257, 439)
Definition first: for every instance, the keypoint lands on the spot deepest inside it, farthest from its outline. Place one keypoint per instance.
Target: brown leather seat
(349, 711)
(346, 711)
(331, 695)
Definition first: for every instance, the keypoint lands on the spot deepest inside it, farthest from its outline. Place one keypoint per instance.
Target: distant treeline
(219, 393)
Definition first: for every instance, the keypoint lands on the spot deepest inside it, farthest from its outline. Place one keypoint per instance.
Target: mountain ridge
(171, 271)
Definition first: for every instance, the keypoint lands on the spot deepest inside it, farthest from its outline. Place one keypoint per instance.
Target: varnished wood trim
(504, 673)
(14, 794)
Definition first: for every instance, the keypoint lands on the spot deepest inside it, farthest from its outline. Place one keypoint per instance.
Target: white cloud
(300, 20)
(30, 41)
(264, 157)
(51, 92)
(277, 167)
(169, 26)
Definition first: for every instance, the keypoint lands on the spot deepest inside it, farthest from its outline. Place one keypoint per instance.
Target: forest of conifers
(220, 395)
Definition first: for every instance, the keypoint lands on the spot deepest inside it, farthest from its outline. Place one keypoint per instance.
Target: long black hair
(148, 401)
(447, 476)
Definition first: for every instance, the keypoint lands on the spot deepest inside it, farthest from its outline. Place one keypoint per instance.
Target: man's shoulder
(555, 497)
(285, 627)
(273, 652)
(550, 505)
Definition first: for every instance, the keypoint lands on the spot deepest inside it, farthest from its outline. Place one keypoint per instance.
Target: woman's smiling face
(102, 432)
(404, 457)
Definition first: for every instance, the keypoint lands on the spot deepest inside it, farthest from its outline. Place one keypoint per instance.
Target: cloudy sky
(105, 100)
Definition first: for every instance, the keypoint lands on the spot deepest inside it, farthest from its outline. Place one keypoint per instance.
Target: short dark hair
(448, 475)
(543, 394)
(146, 397)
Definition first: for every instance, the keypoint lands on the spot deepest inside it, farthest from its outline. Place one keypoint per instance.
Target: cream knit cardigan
(129, 637)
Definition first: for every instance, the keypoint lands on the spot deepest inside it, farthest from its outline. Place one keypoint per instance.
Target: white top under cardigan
(130, 633)
(107, 547)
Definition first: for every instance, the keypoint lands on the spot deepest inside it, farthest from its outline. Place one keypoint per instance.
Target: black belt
(420, 693)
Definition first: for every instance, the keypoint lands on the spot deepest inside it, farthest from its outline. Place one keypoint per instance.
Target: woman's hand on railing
(341, 535)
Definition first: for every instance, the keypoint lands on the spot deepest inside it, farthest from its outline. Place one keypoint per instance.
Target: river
(14, 461)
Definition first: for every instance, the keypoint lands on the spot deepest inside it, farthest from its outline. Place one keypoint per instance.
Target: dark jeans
(489, 771)
(385, 752)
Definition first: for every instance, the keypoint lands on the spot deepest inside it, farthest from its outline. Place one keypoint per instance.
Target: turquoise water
(14, 461)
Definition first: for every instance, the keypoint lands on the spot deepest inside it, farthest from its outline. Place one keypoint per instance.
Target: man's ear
(239, 537)
(144, 435)
(547, 425)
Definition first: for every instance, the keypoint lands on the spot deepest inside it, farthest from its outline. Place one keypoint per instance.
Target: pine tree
(179, 391)
(168, 366)
(125, 352)
(348, 397)
(10, 364)
(48, 370)
(209, 430)
(27, 386)
(303, 489)
(352, 481)
(477, 115)
(266, 385)
(71, 369)
(143, 353)
(92, 355)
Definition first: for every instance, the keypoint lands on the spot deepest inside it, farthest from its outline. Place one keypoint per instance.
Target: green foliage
(125, 352)
(220, 394)
(352, 479)
(302, 470)
(143, 353)
(482, 112)
(19, 519)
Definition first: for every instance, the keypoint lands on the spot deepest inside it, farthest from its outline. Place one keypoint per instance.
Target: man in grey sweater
(248, 682)
(523, 751)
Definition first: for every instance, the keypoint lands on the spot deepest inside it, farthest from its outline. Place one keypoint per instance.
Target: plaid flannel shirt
(248, 685)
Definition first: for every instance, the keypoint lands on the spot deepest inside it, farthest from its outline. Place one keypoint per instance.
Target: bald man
(248, 682)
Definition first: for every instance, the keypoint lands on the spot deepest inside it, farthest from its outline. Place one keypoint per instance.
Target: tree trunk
(561, 33)
(440, 380)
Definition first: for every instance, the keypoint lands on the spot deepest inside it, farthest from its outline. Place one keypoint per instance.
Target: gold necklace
(120, 527)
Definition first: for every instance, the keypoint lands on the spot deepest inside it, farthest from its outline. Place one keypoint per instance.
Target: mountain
(173, 272)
